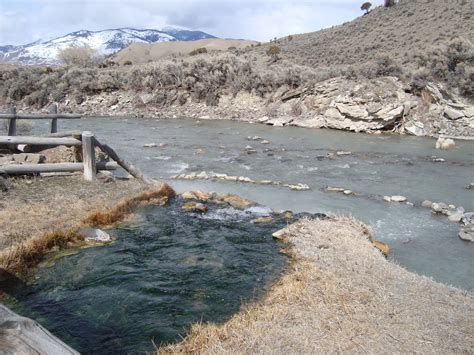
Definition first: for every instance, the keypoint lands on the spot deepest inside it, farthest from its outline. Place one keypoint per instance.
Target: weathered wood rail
(89, 165)
(75, 139)
(12, 116)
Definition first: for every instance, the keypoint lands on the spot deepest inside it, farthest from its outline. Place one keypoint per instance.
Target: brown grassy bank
(45, 215)
(342, 295)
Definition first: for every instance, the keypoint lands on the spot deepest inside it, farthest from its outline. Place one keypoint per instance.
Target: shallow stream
(166, 270)
(377, 166)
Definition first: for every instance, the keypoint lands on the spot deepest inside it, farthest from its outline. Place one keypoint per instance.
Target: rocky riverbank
(384, 104)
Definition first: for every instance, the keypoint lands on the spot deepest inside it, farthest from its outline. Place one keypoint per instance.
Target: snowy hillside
(105, 42)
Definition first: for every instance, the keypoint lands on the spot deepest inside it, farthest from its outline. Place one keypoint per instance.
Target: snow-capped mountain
(105, 42)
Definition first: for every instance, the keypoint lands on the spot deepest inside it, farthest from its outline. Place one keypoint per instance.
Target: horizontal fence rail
(32, 140)
(21, 169)
(53, 115)
(33, 116)
(86, 140)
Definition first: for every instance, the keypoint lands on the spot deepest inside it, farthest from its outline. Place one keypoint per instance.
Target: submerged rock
(261, 220)
(334, 189)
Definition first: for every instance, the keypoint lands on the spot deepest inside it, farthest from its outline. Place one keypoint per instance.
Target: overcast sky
(24, 21)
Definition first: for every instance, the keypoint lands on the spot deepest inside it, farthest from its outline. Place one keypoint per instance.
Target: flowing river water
(376, 166)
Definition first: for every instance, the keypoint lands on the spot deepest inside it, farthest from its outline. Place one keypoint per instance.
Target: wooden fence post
(12, 122)
(54, 121)
(88, 153)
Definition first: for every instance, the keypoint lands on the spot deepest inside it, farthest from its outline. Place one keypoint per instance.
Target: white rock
(95, 235)
(398, 199)
(426, 204)
(202, 175)
(467, 234)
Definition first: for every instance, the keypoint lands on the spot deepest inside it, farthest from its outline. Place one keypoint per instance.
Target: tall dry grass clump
(117, 213)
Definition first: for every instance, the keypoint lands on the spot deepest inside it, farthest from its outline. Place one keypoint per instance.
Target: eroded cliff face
(353, 104)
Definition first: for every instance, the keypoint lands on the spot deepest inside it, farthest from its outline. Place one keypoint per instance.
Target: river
(378, 165)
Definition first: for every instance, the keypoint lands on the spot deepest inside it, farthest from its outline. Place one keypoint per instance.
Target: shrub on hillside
(82, 56)
(453, 64)
(366, 7)
(198, 51)
(388, 3)
(273, 51)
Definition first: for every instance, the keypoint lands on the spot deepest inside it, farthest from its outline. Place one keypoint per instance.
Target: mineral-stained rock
(381, 246)
(237, 201)
(194, 207)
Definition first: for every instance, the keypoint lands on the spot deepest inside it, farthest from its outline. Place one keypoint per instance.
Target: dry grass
(45, 215)
(342, 295)
(118, 213)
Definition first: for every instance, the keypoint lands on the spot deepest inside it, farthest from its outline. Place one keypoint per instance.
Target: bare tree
(83, 56)
(366, 7)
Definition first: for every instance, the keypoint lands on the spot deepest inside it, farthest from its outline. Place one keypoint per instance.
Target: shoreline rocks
(445, 143)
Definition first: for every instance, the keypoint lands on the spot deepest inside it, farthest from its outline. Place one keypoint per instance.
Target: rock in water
(445, 143)
(95, 235)
(398, 199)
(237, 202)
(426, 204)
(467, 233)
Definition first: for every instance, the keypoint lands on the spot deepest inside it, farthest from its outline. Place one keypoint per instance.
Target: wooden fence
(53, 115)
(84, 140)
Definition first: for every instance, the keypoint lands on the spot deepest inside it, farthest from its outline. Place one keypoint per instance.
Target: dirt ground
(341, 295)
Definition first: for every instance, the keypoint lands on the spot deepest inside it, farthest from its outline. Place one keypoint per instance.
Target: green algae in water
(166, 271)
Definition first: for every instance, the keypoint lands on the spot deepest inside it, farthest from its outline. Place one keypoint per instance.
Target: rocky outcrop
(355, 104)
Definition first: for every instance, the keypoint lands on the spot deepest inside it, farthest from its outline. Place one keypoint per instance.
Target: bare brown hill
(139, 53)
(400, 32)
